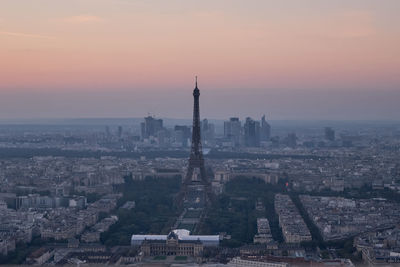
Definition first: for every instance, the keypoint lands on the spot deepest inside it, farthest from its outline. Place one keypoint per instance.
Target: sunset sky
(289, 59)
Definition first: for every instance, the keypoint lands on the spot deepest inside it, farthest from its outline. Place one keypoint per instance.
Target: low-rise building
(294, 229)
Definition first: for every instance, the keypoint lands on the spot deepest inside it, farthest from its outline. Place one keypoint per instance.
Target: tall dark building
(265, 132)
(233, 130)
(182, 134)
(196, 186)
(329, 134)
(151, 126)
(291, 140)
(108, 133)
(208, 131)
(120, 131)
(251, 133)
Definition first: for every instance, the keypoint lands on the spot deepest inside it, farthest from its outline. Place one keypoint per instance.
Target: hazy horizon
(170, 121)
(214, 103)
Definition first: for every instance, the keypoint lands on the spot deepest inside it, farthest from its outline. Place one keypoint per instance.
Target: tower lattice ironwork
(196, 159)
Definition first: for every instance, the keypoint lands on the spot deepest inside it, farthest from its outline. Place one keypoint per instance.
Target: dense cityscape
(308, 194)
(284, 151)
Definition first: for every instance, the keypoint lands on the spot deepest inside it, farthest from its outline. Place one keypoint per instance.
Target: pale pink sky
(108, 58)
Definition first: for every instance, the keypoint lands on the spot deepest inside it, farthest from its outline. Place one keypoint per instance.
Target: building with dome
(178, 242)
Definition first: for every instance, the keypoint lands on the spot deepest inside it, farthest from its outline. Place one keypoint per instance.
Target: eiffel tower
(196, 185)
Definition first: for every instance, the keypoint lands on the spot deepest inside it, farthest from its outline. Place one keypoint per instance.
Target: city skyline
(311, 60)
(200, 133)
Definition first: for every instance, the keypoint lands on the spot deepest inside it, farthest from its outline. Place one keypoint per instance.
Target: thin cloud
(21, 34)
(83, 19)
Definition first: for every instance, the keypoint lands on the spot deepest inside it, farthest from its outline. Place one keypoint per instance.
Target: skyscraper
(251, 133)
(108, 133)
(208, 131)
(329, 134)
(265, 132)
(151, 126)
(120, 131)
(291, 140)
(233, 130)
(182, 134)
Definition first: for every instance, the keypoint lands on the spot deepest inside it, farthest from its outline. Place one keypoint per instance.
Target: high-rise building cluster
(153, 131)
(230, 135)
(151, 127)
(251, 134)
